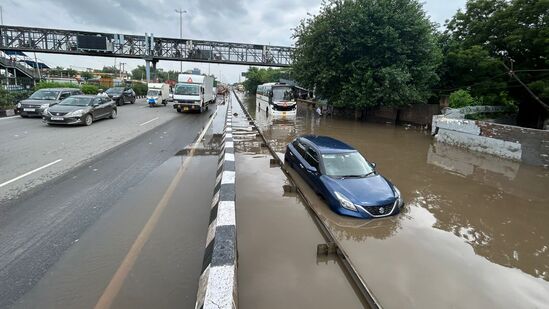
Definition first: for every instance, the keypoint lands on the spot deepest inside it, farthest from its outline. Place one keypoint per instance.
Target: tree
(483, 40)
(368, 53)
(256, 76)
(86, 75)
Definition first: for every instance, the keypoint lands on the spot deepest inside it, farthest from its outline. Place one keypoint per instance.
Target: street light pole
(180, 11)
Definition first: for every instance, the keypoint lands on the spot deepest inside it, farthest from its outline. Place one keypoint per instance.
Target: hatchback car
(339, 173)
(80, 109)
(121, 95)
(42, 99)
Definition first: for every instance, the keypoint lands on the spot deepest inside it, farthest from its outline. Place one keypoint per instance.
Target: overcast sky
(259, 21)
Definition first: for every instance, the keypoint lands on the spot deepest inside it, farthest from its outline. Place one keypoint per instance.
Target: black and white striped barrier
(217, 285)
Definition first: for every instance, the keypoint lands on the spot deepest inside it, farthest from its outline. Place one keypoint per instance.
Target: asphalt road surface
(65, 229)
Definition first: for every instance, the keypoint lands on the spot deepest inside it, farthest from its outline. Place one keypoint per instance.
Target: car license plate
(185, 108)
(57, 118)
(29, 109)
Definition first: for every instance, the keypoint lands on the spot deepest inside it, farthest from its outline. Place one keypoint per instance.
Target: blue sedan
(340, 174)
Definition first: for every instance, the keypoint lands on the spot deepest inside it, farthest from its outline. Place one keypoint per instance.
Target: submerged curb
(217, 285)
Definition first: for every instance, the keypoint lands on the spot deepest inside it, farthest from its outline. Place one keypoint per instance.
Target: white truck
(157, 94)
(193, 93)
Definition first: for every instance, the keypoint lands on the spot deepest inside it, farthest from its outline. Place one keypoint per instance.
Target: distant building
(195, 71)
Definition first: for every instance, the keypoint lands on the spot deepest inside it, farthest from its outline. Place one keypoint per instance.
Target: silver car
(35, 105)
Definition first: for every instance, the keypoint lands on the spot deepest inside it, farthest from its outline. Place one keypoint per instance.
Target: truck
(157, 94)
(193, 93)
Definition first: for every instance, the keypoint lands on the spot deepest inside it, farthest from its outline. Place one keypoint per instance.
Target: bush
(44, 84)
(140, 88)
(8, 99)
(89, 89)
(461, 98)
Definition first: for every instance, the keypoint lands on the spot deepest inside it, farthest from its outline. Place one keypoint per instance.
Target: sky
(259, 22)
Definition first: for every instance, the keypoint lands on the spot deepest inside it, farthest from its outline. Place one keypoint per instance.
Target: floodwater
(277, 239)
(474, 232)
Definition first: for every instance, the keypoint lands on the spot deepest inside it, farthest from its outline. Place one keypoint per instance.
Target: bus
(276, 99)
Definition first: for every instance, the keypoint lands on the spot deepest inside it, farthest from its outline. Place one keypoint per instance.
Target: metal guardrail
(147, 47)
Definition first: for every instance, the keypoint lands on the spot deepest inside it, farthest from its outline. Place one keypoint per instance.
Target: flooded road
(475, 230)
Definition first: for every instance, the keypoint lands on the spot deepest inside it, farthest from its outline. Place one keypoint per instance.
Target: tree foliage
(256, 76)
(491, 33)
(461, 98)
(368, 53)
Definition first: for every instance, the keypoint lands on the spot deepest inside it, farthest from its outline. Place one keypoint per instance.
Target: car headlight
(44, 106)
(345, 202)
(398, 195)
(19, 105)
(76, 113)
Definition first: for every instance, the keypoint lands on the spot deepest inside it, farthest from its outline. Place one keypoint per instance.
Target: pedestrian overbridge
(148, 47)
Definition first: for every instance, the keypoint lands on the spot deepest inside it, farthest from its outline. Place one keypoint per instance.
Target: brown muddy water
(474, 232)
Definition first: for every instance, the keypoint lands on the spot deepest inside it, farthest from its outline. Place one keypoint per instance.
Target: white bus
(276, 99)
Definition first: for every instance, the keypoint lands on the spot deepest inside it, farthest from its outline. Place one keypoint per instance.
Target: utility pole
(1, 15)
(181, 12)
(122, 64)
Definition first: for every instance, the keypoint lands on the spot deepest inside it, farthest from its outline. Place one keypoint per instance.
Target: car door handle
(301, 165)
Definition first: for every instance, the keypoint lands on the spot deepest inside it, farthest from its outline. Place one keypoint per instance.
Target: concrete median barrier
(217, 285)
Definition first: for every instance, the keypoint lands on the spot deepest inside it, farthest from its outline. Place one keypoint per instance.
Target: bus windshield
(282, 94)
(187, 89)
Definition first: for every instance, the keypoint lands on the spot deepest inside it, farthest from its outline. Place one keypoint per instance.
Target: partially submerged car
(121, 95)
(41, 99)
(349, 184)
(80, 109)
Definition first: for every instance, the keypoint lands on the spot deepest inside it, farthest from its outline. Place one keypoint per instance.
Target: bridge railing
(144, 47)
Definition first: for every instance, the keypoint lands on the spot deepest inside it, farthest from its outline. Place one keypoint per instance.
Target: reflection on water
(497, 208)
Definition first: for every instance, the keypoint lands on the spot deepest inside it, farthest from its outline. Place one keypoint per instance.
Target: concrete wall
(521, 144)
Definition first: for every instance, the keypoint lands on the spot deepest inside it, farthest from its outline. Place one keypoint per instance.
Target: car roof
(89, 96)
(60, 89)
(326, 144)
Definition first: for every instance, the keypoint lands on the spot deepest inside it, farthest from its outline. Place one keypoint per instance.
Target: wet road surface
(474, 233)
(29, 144)
(60, 245)
(278, 266)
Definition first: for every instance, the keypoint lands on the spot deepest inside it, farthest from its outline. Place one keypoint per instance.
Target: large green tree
(483, 41)
(365, 53)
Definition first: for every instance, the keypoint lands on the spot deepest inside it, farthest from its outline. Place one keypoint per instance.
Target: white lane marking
(28, 173)
(10, 117)
(144, 123)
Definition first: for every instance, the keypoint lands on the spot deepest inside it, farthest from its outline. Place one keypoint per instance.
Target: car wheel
(113, 114)
(88, 120)
(132, 101)
(24, 116)
(120, 102)
(179, 110)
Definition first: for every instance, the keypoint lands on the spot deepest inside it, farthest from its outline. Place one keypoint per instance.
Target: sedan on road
(42, 99)
(121, 95)
(339, 173)
(80, 109)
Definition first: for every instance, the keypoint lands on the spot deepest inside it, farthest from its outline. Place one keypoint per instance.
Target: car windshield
(186, 89)
(153, 93)
(114, 90)
(350, 164)
(45, 95)
(282, 94)
(76, 101)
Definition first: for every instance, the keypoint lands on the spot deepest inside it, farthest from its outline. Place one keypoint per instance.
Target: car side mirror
(312, 169)
(373, 164)
(95, 104)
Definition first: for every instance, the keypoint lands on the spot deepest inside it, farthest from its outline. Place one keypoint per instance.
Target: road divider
(217, 286)
(28, 173)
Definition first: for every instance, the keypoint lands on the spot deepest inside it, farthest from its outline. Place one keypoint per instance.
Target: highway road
(67, 228)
